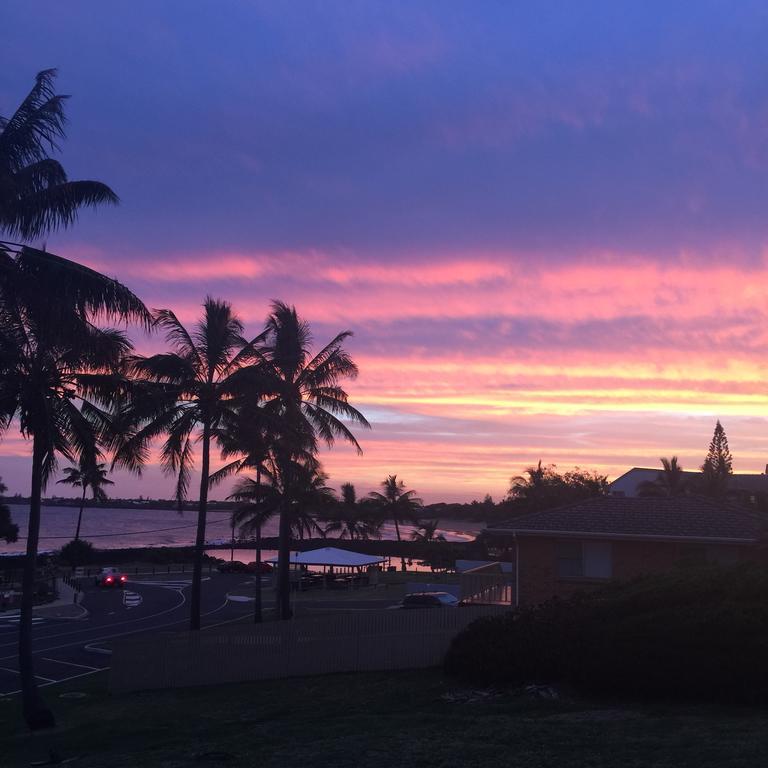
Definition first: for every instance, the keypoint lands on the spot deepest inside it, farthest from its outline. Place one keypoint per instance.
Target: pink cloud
(472, 404)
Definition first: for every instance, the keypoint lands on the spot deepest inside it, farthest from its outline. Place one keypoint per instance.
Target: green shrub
(78, 552)
(692, 634)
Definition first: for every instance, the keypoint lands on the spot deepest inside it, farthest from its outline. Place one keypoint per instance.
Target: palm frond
(165, 367)
(131, 452)
(217, 334)
(329, 427)
(36, 126)
(177, 335)
(54, 207)
(77, 288)
(221, 474)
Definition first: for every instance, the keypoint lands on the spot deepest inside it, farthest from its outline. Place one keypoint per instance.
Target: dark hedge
(693, 634)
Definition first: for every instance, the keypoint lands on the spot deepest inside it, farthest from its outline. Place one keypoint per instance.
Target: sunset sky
(546, 223)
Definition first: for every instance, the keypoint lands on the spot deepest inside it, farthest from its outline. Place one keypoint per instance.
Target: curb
(83, 613)
(91, 649)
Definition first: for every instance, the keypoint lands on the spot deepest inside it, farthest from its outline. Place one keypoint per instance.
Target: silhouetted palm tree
(301, 502)
(353, 519)
(308, 497)
(534, 487)
(8, 529)
(245, 439)
(670, 481)
(87, 475)
(308, 401)
(343, 517)
(428, 532)
(397, 503)
(250, 516)
(186, 394)
(35, 194)
(58, 373)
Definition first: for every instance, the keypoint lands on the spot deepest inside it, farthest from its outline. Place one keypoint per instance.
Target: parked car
(111, 577)
(232, 566)
(429, 600)
(265, 568)
(235, 566)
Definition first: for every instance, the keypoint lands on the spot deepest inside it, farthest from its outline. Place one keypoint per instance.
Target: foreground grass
(375, 720)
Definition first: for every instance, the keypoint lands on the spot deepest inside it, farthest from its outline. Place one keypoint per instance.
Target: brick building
(560, 551)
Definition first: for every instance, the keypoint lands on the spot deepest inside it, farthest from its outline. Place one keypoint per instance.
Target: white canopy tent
(331, 556)
(341, 568)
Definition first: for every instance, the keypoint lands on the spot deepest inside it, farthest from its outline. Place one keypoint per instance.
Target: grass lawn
(387, 720)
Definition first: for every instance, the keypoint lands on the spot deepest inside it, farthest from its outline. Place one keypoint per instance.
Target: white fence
(359, 642)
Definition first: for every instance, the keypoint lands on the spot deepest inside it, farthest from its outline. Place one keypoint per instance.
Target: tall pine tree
(718, 465)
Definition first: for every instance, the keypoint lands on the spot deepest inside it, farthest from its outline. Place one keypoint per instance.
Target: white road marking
(55, 682)
(123, 634)
(120, 634)
(71, 664)
(132, 599)
(113, 624)
(35, 620)
(39, 677)
(169, 584)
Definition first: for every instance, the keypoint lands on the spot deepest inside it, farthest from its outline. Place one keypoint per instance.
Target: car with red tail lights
(111, 577)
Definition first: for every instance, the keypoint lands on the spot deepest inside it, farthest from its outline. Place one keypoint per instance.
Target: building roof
(692, 518)
(332, 556)
(629, 482)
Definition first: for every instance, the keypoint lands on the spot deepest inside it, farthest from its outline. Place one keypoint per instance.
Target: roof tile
(691, 517)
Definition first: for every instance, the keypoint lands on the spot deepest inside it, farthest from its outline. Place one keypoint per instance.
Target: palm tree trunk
(284, 545)
(257, 618)
(36, 714)
(80, 515)
(283, 563)
(197, 569)
(397, 528)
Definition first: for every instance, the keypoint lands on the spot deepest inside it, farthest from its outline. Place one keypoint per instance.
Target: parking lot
(66, 648)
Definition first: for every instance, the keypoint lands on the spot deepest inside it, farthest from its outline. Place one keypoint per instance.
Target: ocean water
(109, 528)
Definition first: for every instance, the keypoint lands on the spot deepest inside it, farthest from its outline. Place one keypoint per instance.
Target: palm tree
(8, 530)
(536, 487)
(307, 400)
(251, 514)
(186, 394)
(58, 373)
(428, 532)
(670, 481)
(87, 475)
(351, 519)
(301, 502)
(307, 497)
(343, 518)
(35, 194)
(397, 503)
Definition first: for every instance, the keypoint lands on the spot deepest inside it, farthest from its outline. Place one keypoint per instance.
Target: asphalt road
(65, 649)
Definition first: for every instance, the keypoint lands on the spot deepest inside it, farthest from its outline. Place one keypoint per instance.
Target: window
(570, 563)
(584, 559)
(598, 559)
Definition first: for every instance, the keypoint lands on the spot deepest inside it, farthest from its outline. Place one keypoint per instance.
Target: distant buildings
(746, 487)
